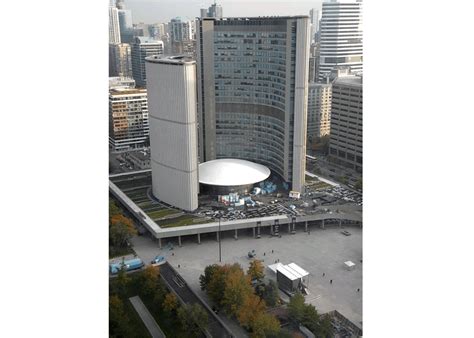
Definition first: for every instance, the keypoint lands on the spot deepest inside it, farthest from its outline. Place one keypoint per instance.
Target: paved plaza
(321, 251)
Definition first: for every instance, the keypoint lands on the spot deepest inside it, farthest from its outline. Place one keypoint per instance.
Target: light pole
(220, 254)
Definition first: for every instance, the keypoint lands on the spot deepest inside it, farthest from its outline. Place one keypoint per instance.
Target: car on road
(158, 260)
(346, 233)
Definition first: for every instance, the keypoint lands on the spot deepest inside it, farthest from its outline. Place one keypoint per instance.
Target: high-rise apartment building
(114, 27)
(143, 47)
(319, 110)
(128, 119)
(120, 60)
(173, 124)
(252, 92)
(340, 36)
(345, 144)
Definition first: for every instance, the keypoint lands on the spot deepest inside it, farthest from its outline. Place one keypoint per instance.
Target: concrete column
(340, 222)
(294, 227)
(253, 232)
(236, 236)
(322, 224)
(199, 238)
(289, 227)
(179, 240)
(258, 232)
(271, 229)
(306, 226)
(217, 236)
(159, 243)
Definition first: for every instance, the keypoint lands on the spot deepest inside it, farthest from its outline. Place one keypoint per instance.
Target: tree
(325, 328)
(118, 321)
(237, 289)
(296, 308)
(113, 208)
(251, 306)
(193, 319)
(264, 325)
(208, 275)
(270, 293)
(255, 270)
(310, 318)
(170, 303)
(122, 281)
(150, 280)
(121, 229)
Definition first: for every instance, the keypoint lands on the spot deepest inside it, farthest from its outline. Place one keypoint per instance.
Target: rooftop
(126, 91)
(174, 60)
(232, 172)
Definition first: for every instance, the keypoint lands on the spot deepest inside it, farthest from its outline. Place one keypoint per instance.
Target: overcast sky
(152, 11)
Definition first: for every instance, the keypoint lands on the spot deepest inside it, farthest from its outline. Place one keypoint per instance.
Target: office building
(143, 47)
(340, 36)
(173, 123)
(114, 28)
(253, 91)
(128, 119)
(319, 110)
(120, 60)
(345, 144)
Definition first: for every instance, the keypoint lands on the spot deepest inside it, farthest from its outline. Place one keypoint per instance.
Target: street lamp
(220, 253)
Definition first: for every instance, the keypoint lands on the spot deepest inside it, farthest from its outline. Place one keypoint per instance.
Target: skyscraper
(125, 21)
(340, 36)
(314, 16)
(173, 124)
(120, 60)
(345, 144)
(114, 29)
(180, 30)
(214, 11)
(253, 91)
(141, 48)
(128, 119)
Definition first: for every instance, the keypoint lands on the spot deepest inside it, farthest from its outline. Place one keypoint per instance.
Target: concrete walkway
(146, 317)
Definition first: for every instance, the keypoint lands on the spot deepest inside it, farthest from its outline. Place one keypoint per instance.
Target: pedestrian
(272, 250)
(324, 274)
(172, 254)
(179, 266)
(264, 253)
(330, 281)
(358, 290)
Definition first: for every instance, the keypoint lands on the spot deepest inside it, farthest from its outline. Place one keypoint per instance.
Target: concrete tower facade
(253, 88)
(171, 83)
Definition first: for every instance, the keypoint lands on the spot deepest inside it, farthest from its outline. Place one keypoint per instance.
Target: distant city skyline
(153, 11)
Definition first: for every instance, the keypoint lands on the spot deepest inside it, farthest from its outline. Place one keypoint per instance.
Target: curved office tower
(171, 83)
(252, 92)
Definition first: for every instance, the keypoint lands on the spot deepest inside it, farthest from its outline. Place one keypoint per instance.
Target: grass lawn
(161, 213)
(183, 220)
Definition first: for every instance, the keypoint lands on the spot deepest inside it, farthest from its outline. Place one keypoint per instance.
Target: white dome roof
(232, 172)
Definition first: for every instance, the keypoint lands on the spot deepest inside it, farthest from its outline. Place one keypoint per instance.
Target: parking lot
(320, 252)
